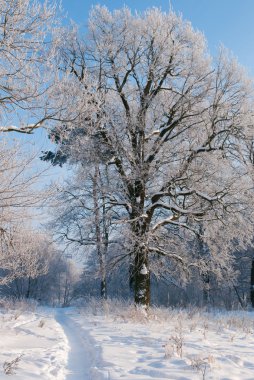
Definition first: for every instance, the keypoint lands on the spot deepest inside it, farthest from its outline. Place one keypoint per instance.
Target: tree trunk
(101, 251)
(206, 289)
(105, 247)
(103, 277)
(139, 272)
(141, 279)
(28, 288)
(252, 284)
(205, 276)
(131, 275)
(66, 292)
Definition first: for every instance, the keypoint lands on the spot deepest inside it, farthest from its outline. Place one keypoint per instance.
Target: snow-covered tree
(21, 252)
(82, 218)
(29, 34)
(22, 255)
(171, 124)
(20, 188)
(32, 267)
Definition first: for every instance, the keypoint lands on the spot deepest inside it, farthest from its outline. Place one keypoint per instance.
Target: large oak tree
(171, 125)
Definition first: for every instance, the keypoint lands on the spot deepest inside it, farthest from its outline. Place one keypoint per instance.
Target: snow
(124, 343)
(80, 357)
(222, 345)
(144, 270)
(44, 349)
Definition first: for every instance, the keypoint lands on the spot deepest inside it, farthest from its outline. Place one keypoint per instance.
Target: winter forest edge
(158, 139)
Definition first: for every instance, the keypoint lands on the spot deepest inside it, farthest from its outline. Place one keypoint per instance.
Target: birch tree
(171, 124)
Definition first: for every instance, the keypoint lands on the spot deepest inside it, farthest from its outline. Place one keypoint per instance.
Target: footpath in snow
(83, 353)
(122, 343)
(47, 344)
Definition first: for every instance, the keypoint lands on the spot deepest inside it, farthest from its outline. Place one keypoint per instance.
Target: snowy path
(84, 353)
(81, 357)
(51, 345)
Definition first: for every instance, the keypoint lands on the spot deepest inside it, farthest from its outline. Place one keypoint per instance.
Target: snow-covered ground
(122, 343)
(37, 340)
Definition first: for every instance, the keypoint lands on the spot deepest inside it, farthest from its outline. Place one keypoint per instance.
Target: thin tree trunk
(105, 223)
(28, 288)
(66, 291)
(131, 274)
(206, 289)
(59, 289)
(205, 276)
(98, 232)
(238, 296)
(252, 284)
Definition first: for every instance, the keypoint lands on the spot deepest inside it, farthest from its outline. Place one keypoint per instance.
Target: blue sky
(230, 22)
